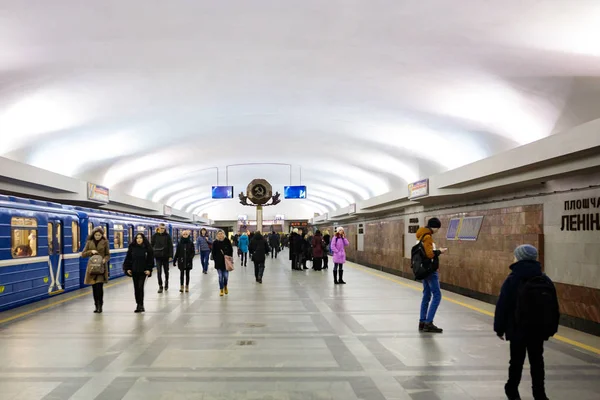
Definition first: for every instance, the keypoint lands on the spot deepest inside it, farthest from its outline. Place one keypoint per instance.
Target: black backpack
(421, 265)
(537, 313)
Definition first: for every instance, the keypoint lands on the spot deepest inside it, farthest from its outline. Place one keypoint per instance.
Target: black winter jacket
(220, 249)
(505, 318)
(162, 244)
(139, 258)
(184, 256)
(259, 248)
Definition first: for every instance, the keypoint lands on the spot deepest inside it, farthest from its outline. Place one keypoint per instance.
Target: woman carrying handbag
(97, 245)
(222, 253)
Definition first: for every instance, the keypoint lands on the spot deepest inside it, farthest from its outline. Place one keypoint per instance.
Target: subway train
(41, 244)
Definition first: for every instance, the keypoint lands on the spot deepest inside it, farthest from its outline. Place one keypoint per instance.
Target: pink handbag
(229, 263)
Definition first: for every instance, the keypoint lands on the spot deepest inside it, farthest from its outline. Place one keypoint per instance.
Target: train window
(105, 231)
(58, 238)
(90, 228)
(76, 235)
(50, 238)
(130, 233)
(118, 231)
(23, 237)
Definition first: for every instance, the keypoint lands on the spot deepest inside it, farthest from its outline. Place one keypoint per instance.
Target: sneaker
(160, 289)
(430, 327)
(221, 293)
(421, 326)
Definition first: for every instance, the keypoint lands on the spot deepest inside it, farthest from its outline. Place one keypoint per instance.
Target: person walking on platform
(338, 247)
(327, 249)
(318, 250)
(243, 244)
(259, 248)
(527, 313)
(204, 245)
(162, 245)
(97, 244)
(184, 259)
(431, 284)
(138, 264)
(221, 248)
(274, 243)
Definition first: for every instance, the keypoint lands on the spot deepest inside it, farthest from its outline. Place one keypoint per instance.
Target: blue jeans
(431, 287)
(204, 255)
(223, 277)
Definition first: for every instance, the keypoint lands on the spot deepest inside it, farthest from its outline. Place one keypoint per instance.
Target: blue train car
(41, 244)
(39, 254)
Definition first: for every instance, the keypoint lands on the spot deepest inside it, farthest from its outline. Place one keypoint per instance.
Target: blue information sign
(294, 192)
(222, 192)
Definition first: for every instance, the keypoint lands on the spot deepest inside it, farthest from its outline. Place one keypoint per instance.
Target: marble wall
(476, 268)
(482, 265)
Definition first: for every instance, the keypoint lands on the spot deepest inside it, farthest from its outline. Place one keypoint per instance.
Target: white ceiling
(362, 96)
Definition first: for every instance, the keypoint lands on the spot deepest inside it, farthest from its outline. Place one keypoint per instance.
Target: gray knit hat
(526, 252)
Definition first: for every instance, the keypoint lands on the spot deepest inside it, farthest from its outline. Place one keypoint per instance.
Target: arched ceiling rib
(364, 96)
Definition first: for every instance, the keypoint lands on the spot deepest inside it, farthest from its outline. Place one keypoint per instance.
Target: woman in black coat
(221, 248)
(184, 257)
(138, 264)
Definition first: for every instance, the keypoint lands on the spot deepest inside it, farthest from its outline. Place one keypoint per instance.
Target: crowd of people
(527, 312)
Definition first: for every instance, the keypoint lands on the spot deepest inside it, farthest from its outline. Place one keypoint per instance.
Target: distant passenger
(327, 240)
(318, 251)
(527, 312)
(138, 264)
(338, 247)
(307, 249)
(296, 248)
(259, 248)
(162, 244)
(243, 244)
(274, 244)
(204, 246)
(184, 259)
(431, 284)
(97, 244)
(221, 248)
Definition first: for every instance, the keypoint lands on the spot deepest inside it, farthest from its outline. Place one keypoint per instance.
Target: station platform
(295, 337)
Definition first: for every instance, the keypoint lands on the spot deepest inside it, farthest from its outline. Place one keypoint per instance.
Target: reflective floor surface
(295, 337)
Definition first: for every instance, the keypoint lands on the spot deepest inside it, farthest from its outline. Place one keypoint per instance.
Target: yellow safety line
(47, 306)
(479, 310)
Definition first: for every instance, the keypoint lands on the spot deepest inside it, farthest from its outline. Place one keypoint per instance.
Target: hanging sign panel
(464, 228)
(98, 193)
(418, 189)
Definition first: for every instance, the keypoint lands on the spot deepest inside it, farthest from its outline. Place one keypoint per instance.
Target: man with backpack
(527, 314)
(425, 264)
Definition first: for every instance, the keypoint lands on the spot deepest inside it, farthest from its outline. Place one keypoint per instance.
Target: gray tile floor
(296, 337)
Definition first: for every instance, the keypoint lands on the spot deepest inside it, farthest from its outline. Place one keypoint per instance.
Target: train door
(55, 255)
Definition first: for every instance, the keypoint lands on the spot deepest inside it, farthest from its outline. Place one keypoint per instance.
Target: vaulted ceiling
(152, 97)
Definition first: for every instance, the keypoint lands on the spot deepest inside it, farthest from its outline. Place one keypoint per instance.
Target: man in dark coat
(259, 249)
(162, 245)
(274, 243)
(524, 340)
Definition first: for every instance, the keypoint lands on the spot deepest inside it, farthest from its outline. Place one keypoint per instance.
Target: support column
(259, 219)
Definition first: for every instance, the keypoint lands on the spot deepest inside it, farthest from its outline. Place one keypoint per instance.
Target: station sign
(418, 189)
(97, 193)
